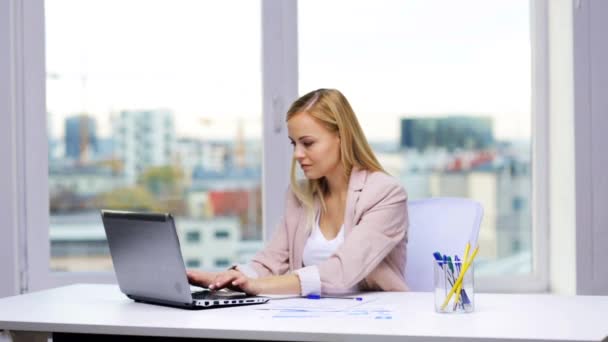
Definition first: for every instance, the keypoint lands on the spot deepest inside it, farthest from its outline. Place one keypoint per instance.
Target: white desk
(102, 309)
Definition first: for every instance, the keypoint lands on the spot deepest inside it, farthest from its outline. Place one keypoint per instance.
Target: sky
(201, 59)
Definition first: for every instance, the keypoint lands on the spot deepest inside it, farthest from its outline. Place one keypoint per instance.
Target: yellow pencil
(466, 252)
(460, 277)
(464, 260)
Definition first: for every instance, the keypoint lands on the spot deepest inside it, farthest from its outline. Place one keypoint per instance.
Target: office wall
(8, 229)
(590, 128)
(578, 122)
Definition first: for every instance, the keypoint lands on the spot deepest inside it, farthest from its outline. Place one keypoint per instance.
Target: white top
(317, 248)
(102, 309)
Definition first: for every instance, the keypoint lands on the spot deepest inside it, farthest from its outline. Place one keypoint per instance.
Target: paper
(304, 308)
(314, 305)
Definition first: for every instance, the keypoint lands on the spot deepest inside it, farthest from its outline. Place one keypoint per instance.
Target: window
(193, 236)
(136, 105)
(222, 234)
(74, 80)
(194, 263)
(442, 89)
(222, 263)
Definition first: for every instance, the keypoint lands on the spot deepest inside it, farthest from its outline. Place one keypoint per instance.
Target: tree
(132, 198)
(162, 181)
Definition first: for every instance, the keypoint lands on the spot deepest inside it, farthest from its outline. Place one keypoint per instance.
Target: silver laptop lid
(146, 255)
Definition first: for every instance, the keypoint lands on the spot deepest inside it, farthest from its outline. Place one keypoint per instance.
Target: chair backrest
(437, 224)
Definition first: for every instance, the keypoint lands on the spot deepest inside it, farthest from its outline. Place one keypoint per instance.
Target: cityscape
(444, 97)
(213, 187)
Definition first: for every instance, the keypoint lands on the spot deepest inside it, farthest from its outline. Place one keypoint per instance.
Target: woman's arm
(273, 259)
(281, 284)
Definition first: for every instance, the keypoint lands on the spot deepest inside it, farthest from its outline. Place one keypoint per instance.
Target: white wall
(591, 132)
(8, 227)
(578, 106)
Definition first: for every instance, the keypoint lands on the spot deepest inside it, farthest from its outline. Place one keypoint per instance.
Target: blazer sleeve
(382, 227)
(273, 259)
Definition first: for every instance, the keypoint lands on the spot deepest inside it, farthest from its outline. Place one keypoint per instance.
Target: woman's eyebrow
(300, 138)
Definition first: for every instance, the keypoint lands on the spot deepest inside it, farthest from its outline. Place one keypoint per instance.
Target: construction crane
(239, 141)
(83, 118)
(83, 133)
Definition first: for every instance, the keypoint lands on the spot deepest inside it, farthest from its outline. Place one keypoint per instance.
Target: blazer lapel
(301, 237)
(355, 185)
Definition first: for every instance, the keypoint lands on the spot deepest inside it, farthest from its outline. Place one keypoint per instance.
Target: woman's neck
(337, 183)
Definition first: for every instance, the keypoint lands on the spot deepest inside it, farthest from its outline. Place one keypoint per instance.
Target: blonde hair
(331, 108)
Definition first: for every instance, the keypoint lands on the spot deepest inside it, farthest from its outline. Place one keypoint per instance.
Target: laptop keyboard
(206, 294)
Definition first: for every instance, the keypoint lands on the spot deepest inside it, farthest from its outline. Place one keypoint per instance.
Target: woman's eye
(307, 144)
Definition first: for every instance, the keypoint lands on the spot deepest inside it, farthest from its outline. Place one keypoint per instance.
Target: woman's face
(316, 149)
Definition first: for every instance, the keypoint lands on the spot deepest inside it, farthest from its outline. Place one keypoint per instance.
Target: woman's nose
(298, 153)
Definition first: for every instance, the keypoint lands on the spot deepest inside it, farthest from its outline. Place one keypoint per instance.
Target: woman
(344, 229)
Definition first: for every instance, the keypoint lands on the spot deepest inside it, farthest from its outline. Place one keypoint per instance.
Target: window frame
(27, 129)
(9, 238)
(538, 279)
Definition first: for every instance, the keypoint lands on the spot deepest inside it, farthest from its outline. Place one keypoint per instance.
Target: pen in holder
(446, 274)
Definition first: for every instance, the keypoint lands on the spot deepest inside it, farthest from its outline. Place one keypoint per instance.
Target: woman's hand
(201, 278)
(248, 285)
(237, 281)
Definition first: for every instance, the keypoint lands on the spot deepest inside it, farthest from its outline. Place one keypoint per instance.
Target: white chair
(438, 224)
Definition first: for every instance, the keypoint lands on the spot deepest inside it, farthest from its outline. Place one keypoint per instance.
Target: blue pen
(463, 293)
(441, 261)
(438, 257)
(451, 266)
(315, 296)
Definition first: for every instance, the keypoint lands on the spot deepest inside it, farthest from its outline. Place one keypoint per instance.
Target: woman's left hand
(248, 285)
(237, 281)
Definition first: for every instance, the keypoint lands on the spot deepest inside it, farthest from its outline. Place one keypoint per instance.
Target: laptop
(149, 266)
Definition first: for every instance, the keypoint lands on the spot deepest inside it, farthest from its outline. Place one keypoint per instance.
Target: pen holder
(445, 276)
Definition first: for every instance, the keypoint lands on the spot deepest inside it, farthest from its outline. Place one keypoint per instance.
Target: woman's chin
(311, 175)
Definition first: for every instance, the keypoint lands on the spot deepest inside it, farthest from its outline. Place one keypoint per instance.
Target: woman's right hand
(225, 279)
(201, 278)
(214, 280)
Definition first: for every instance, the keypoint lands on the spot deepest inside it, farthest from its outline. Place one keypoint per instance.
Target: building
(78, 243)
(143, 139)
(210, 243)
(242, 203)
(80, 137)
(450, 132)
(76, 187)
(196, 156)
(83, 180)
(505, 197)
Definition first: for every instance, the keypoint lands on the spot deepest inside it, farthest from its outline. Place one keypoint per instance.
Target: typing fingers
(239, 281)
(247, 285)
(223, 279)
(199, 278)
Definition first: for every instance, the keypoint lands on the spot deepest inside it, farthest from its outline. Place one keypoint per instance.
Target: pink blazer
(373, 254)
